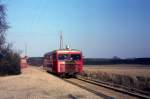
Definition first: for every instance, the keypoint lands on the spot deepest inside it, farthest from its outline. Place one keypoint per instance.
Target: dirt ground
(36, 84)
(123, 69)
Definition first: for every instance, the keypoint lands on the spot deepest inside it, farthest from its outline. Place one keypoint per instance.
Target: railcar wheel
(74, 75)
(62, 75)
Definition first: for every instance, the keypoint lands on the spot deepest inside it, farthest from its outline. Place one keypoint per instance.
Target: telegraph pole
(61, 40)
(25, 49)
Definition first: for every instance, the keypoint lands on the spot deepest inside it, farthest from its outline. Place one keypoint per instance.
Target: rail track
(104, 90)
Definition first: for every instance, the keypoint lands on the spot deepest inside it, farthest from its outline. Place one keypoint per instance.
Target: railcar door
(55, 64)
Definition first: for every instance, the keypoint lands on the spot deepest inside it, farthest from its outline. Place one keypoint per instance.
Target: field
(131, 70)
(132, 76)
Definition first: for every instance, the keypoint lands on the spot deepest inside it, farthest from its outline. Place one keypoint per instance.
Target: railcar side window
(51, 58)
(47, 57)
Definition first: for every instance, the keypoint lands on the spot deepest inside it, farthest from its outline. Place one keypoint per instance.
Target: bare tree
(9, 59)
(3, 25)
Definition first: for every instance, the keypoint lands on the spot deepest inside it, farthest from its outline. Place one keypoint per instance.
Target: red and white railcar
(64, 62)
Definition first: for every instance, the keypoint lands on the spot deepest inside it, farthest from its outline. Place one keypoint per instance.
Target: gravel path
(36, 84)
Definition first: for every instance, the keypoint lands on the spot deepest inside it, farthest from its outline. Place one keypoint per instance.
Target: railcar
(64, 62)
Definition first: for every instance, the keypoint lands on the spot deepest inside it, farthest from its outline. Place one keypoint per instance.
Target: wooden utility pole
(61, 40)
(25, 49)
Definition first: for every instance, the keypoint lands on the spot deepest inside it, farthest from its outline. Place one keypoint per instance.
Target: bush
(9, 62)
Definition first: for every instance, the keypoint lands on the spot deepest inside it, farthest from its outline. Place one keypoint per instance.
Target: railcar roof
(62, 50)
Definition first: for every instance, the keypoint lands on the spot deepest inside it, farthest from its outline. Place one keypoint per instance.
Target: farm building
(23, 62)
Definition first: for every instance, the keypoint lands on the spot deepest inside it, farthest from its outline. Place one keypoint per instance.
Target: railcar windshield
(76, 56)
(69, 57)
(63, 56)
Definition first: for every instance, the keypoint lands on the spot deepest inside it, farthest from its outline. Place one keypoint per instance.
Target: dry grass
(37, 84)
(133, 76)
(130, 70)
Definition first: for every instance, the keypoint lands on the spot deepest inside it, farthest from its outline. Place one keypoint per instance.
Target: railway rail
(93, 86)
(97, 88)
(119, 88)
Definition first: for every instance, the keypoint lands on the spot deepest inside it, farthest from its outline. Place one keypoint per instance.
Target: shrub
(9, 62)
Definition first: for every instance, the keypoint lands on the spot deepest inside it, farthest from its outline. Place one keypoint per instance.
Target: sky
(100, 28)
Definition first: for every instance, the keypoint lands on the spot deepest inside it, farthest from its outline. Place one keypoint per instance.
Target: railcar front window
(69, 57)
(63, 56)
(76, 56)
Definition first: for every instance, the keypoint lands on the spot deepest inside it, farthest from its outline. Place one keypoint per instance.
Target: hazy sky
(100, 28)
